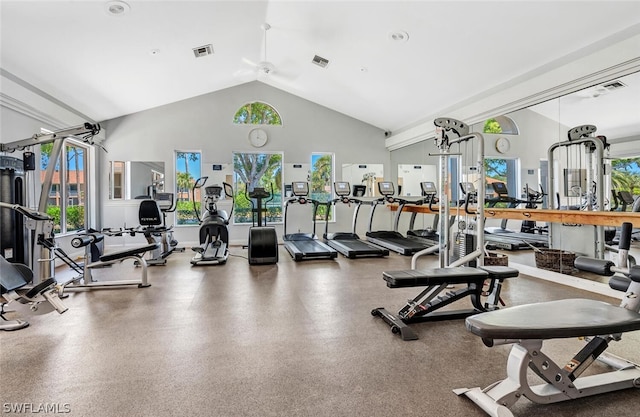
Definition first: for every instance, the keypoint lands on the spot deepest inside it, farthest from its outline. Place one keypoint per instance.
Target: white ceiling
(103, 65)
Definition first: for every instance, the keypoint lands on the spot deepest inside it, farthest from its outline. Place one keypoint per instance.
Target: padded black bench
(128, 253)
(424, 306)
(553, 320)
(110, 258)
(528, 326)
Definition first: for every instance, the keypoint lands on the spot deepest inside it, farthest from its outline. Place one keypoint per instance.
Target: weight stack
(13, 241)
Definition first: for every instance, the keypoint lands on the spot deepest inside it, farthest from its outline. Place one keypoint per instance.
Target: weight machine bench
(95, 259)
(41, 299)
(424, 306)
(528, 326)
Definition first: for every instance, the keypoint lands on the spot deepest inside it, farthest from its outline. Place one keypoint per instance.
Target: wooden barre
(596, 218)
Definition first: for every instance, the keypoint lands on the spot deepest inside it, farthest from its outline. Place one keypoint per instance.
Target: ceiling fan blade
(245, 74)
(250, 62)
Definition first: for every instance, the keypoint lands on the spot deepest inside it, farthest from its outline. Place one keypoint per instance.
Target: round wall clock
(502, 145)
(258, 138)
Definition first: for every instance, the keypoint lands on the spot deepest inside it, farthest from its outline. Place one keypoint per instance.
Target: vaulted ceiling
(391, 63)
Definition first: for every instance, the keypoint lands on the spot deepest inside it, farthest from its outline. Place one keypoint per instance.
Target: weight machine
(42, 262)
(587, 183)
(427, 304)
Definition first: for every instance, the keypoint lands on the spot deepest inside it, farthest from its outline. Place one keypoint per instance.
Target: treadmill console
(386, 188)
(300, 189)
(342, 188)
(359, 190)
(428, 188)
(500, 188)
(467, 188)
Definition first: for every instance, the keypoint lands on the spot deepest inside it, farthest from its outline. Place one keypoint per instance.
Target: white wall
(204, 124)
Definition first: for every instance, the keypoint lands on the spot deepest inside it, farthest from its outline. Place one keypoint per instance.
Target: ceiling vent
(201, 51)
(320, 61)
(614, 85)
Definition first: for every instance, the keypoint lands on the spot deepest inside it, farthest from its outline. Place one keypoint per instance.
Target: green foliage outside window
(257, 170)
(492, 126)
(625, 175)
(257, 113)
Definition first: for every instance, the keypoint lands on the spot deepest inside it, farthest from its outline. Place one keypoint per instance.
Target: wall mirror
(411, 175)
(364, 174)
(131, 179)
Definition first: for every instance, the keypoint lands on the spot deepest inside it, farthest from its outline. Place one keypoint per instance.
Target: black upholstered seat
(113, 256)
(553, 320)
(433, 276)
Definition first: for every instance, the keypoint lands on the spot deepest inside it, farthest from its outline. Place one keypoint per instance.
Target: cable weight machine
(586, 182)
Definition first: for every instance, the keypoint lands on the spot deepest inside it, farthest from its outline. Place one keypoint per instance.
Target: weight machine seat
(122, 254)
(553, 320)
(434, 276)
(13, 275)
(500, 272)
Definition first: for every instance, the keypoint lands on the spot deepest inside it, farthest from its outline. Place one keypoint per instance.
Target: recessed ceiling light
(117, 8)
(154, 52)
(399, 36)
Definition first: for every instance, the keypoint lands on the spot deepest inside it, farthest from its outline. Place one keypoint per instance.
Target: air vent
(614, 85)
(201, 51)
(320, 61)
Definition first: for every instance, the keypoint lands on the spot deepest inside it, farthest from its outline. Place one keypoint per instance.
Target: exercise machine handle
(625, 236)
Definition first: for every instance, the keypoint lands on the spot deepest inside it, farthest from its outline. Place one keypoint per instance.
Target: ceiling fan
(264, 67)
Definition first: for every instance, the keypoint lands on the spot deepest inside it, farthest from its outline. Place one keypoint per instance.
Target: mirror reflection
(133, 179)
(364, 174)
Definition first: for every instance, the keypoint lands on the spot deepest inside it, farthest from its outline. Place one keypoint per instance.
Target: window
(625, 175)
(501, 170)
(257, 113)
(188, 170)
(321, 181)
(117, 170)
(67, 196)
(257, 170)
(501, 124)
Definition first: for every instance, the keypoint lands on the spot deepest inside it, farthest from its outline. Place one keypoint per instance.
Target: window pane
(257, 113)
(75, 180)
(501, 170)
(117, 180)
(257, 170)
(188, 169)
(54, 203)
(321, 181)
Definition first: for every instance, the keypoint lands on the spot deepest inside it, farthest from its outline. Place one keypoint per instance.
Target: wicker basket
(556, 260)
(496, 259)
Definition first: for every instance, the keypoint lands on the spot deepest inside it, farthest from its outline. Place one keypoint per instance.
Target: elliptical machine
(263, 240)
(214, 233)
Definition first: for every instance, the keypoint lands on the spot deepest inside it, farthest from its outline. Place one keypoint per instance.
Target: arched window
(257, 113)
(501, 124)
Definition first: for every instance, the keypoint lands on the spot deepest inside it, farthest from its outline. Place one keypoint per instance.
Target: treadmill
(302, 246)
(393, 240)
(430, 235)
(503, 238)
(349, 243)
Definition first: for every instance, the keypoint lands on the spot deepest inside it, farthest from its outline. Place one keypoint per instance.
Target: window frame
(188, 207)
(60, 192)
(249, 123)
(239, 191)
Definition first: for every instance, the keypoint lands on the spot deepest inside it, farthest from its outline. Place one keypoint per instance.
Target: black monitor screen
(500, 188)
